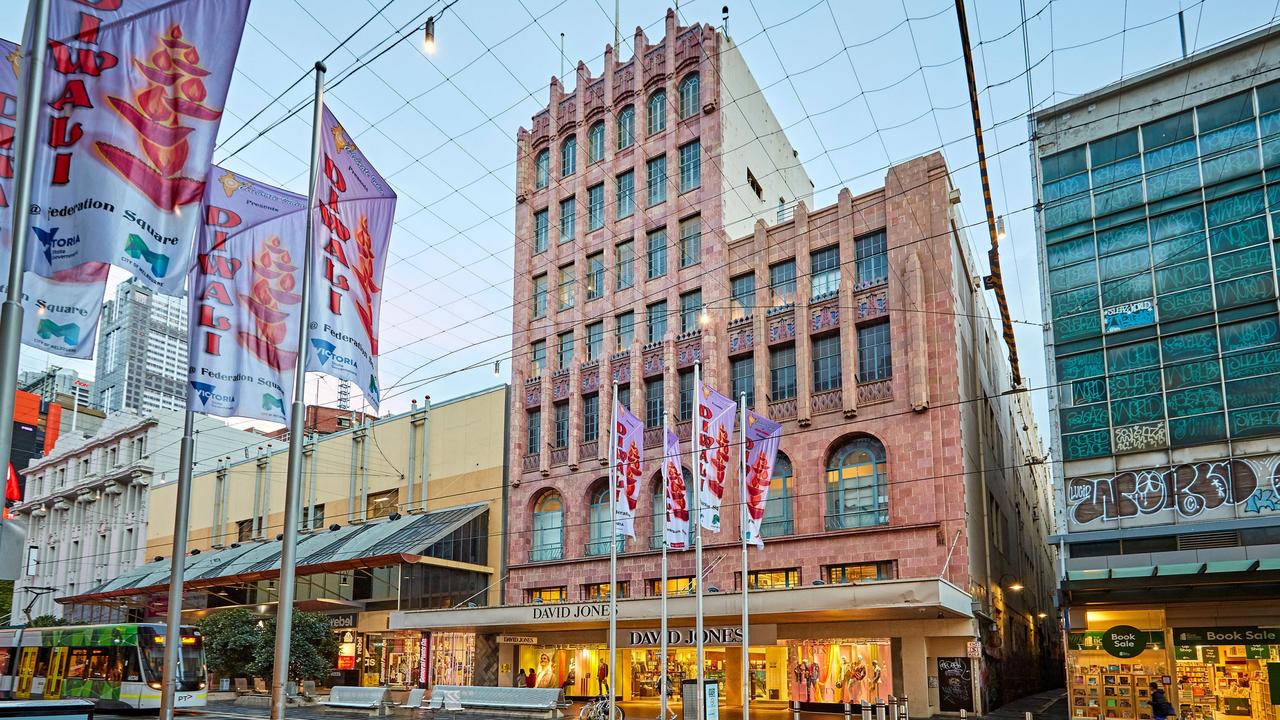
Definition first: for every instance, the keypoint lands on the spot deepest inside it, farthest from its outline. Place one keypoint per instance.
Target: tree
(313, 648)
(40, 621)
(230, 640)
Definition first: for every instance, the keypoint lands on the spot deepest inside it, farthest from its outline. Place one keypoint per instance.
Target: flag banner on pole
(353, 227)
(627, 439)
(60, 313)
(712, 430)
(133, 94)
(675, 494)
(762, 438)
(244, 302)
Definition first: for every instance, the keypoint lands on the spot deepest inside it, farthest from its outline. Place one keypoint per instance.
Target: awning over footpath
(366, 545)
(1175, 582)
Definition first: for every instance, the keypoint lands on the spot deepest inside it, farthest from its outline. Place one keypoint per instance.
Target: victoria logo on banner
(353, 218)
(244, 300)
(133, 95)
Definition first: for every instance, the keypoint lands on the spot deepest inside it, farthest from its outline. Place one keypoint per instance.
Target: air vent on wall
(1208, 540)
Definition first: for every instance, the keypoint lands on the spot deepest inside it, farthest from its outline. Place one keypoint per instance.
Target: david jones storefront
(845, 659)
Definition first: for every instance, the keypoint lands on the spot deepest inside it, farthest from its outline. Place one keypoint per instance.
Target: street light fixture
(429, 36)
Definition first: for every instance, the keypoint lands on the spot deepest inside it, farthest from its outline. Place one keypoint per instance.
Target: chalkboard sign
(1209, 654)
(955, 684)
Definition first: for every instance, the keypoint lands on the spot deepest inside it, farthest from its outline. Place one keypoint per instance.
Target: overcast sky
(858, 85)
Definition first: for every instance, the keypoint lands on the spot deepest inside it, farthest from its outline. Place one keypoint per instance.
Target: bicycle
(599, 710)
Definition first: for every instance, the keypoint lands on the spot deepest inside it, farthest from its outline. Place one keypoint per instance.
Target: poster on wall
(955, 684)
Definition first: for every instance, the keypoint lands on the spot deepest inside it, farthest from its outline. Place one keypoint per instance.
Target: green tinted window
(1116, 147)
(1084, 392)
(1242, 262)
(1186, 275)
(1194, 401)
(1177, 223)
(1191, 374)
(1245, 291)
(1176, 180)
(1238, 235)
(1126, 290)
(1227, 111)
(1125, 264)
(1234, 208)
(1122, 238)
(1268, 97)
(1263, 390)
(1075, 301)
(1075, 327)
(1089, 417)
(1228, 138)
(1132, 357)
(1143, 382)
(1073, 187)
(1080, 366)
(1071, 251)
(1130, 411)
(1176, 306)
(1073, 276)
(1086, 445)
(1254, 422)
(1060, 165)
(1179, 249)
(1249, 334)
(1119, 198)
(1066, 212)
(1251, 364)
(1197, 430)
(1201, 343)
(1171, 129)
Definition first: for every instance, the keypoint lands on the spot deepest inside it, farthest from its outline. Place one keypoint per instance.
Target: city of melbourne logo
(50, 242)
(205, 391)
(69, 333)
(272, 404)
(136, 248)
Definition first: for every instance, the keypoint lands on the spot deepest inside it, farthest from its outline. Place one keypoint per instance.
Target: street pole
(666, 490)
(697, 538)
(297, 427)
(742, 534)
(177, 569)
(24, 178)
(613, 552)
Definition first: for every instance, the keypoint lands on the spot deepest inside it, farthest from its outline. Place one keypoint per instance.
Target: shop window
(599, 592)
(453, 658)
(675, 586)
(857, 479)
(771, 579)
(778, 520)
(548, 528)
(548, 595)
(576, 670)
(840, 670)
(857, 572)
(600, 522)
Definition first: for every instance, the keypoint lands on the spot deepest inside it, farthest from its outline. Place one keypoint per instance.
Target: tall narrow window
(600, 521)
(826, 363)
(690, 241)
(595, 275)
(540, 295)
(777, 511)
(624, 396)
(533, 433)
(590, 417)
(595, 143)
(626, 330)
(871, 257)
(657, 112)
(548, 528)
(653, 402)
(690, 96)
(782, 283)
(595, 207)
(540, 231)
(743, 372)
(564, 300)
(690, 166)
(744, 296)
(562, 425)
(690, 308)
(564, 350)
(656, 258)
(538, 357)
(657, 180)
(569, 156)
(875, 353)
(626, 127)
(656, 321)
(542, 170)
(626, 194)
(625, 267)
(824, 268)
(856, 485)
(685, 411)
(595, 340)
(782, 374)
(568, 218)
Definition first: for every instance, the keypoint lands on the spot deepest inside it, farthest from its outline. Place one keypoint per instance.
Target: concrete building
(57, 381)
(1156, 234)
(87, 501)
(856, 324)
(397, 512)
(141, 352)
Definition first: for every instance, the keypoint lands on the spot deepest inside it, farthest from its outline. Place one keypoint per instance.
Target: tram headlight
(156, 685)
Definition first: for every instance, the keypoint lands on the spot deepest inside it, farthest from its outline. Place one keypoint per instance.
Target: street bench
(414, 700)
(450, 702)
(347, 698)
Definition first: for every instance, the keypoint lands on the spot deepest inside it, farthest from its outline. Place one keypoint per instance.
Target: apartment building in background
(141, 351)
(1158, 225)
(904, 509)
(57, 381)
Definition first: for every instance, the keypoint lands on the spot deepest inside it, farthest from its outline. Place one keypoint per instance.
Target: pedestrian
(604, 678)
(531, 679)
(520, 680)
(1160, 707)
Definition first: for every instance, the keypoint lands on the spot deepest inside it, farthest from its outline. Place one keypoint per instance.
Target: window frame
(595, 143)
(541, 230)
(871, 259)
(655, 317)
(690, 92)
(778, 374)
(689, 311)
(595, 275)
(656, 112)
(656, 184)
(654, 391)
(655, 255)
(782, 289)
(624, 268)
(565, 287)
(845, 486)
(824, 272)
(542, 169)
(569, 156)
(878, 354)
(825, 376)
(690, 166)
(626, 127)
(690, 241)
(626, 201)
(624, 332)
(539, 296)
(736, 378)
(744, 300)
(595, 207)
(568, 219)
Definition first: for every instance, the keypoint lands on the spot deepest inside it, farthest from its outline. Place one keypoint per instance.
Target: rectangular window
(871, 258)
(857, 572)
(690, 307)
(653, 403)
(600, 591)
(743, 372)
(564, 350)
(568, 217)
(657, 180)
(782, 284)
(540, 231)
(772, 579)
(744, 296)
(626, 194)
(382, 504)
(826, 363)
(595, 207)
(690, 166)
(782, 374)
(562, 425)
(595, 340)
(824, 269)
(875, 353)
(533, 433)
(564, 299)
(624, 396)
(656, 322)
(595, 275)
(539, 357)
(657, 254)
(675, 586)
(690, 241)
(685, 411)
(590, 417)
(625, 266)
(626, 330)
(540, 295)
(548, 595)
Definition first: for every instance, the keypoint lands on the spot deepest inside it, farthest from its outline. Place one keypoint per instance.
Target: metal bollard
(881, 713)
(1029, 716)
(963, 715)
(795, 710)
(892, 708)
(848, 711)
(866, 711)
(903, 713)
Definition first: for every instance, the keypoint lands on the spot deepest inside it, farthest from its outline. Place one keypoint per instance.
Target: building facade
(57, 381)
(141, 351)
(87, 501)
(851, 324)
(1157, 228)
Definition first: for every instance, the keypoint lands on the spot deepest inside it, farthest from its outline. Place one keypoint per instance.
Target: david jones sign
(681, 637)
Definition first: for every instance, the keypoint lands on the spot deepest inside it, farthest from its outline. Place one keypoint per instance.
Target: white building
(87, 501)
(142, 351)
(57, 381)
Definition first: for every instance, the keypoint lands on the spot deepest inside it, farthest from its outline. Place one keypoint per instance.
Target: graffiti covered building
(1157, 226)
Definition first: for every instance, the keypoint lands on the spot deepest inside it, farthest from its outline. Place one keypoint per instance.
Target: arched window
(857, 479)
(569, 156)
(657, 112)
(548, 527)
(626, 126)
(778, 519)
(542, 170)
(601, 521)
(690, 96)
(660, 509)
(595, 143)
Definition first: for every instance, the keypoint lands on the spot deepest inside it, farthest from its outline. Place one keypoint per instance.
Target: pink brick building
(663, 220)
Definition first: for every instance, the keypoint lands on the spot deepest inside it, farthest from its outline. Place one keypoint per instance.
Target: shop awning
(1174, 581)
(378, 543)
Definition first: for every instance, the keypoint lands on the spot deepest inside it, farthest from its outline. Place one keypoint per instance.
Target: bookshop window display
(839, 671)
(1226, 672)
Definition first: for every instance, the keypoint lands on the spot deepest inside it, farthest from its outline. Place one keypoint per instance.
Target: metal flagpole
(297, 429)
(666, 489)
(613, 552)
(177, 569)
(697, 538)
(742, 534)
(24, 177)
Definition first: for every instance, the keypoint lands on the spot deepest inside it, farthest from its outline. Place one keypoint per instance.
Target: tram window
(6, 657)
(42, 662)
(130, 657)
(78, 664)
(98, 662)
(116, 663)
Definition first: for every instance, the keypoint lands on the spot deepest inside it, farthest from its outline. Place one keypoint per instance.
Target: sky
(857, 86)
